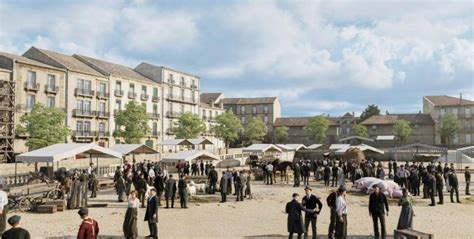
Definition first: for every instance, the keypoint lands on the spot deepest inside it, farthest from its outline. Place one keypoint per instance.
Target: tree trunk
(226, 147)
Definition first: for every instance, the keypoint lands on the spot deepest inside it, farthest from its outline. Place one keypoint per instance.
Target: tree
(402, 130)
(132, 123)
(227, 128)
(317, 128)
(360, 130)
(256, 130)
(281, 134)
(189, 126)
(448, 127)
(371, 110)
(44, 126)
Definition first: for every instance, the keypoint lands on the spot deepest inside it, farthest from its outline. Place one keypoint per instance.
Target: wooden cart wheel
(11, 204)
(55, 194)
(25, 205)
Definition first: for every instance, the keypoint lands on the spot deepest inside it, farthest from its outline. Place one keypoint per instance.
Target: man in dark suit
(151, 214)
(453, 182)
(312, 202)
(377, 206)
(295, 223)
(170, 191)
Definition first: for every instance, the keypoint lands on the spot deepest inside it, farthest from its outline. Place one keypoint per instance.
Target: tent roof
(338, 146)
(189, 155)
(176, 142)
(422, 146)
(58, 152)
(385, 137)
(361, 147)
(261, 148)
(355, 137)
(314, 146)
(200, 141)
(291, 147)
(126, 149)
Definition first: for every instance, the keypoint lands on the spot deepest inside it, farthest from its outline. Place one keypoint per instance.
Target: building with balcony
(268, 109)
(440, 105)
(297, 133)
(211, 106)
(25, 82)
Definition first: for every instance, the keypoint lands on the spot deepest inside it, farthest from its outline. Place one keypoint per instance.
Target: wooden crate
(411, 234)
(60, 204)
(46, 209)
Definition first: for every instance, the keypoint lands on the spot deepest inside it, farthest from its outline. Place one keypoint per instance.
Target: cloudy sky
(317, 57)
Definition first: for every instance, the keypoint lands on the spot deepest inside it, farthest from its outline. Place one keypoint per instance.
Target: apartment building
(180, 93)
(440, 105)
(298, 135)
(211, 105)
(87, 99)
(25, 82)
(129, 85)
(268, 109)
(422, 126)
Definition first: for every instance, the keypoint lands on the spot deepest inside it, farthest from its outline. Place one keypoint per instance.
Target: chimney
(353, 114)
(386, 112)
(460, 98)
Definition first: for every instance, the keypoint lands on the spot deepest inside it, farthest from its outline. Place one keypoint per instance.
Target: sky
(317, 57)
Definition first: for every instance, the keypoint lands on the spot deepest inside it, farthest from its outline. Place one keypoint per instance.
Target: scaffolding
(7, 118)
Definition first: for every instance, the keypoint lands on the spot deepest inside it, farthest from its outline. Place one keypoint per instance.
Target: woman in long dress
(406, 215)
(130, 230)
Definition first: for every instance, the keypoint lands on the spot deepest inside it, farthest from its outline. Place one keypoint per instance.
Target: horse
(282, 167)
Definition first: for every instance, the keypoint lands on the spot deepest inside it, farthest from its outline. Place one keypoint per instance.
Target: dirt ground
(262, 217)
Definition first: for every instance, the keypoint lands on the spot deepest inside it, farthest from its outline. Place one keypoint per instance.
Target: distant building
(462, 109)
(268, 109)
(211, 105)
(422, 126)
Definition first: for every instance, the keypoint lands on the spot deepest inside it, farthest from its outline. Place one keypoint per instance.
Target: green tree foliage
(189, 126)
(132, 123)
(44, 126)
(255, 130)
(371, 110)
(281, 134)
(448, 127)
(228, 128)
(317, 128)
(402, 130)
(360, 130)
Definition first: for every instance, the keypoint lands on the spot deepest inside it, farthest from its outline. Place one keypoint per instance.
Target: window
(155, 128)
(143, 90)
(87, 106)
(182, 81)
(468, 139)
(265, 119)
(101, 127)
(87, 126)
(171, 91)
(118, 105)
(155, 92)
(182, 94)
(204, 113)
(231, 109)
(170, 79)
(50, 102)
(442, 111)
(455, 112)
(170, 106)
(242, 119)
(456, 139)
(194, 83)
(80, 105)
(102, 88)
(31, 78)
(265, 109)
(79, 126)
(80, 83)
(170, 124)
(132, 88)
(374, 127)
(155, 109)
(242, 109)
(118, 86)
(102, 107)
(467, 111)
(254, 109)
(51, 82)
(30, 102)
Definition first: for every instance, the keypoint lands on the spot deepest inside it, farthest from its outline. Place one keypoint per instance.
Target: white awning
(385, 137)
(361, 147)
(339, 146)
(189, 155)
(261, 148)
(175, 142)
(200, 141)
(58, 152)
(355, 137)
(314, 146)
(291, 147)
(127, 149)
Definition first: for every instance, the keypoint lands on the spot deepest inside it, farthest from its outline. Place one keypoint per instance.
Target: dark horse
(282, 167)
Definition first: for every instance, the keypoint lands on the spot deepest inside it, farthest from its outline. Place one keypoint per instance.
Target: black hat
(308, 188)
(83, 211)
(14, 220)
(341, 189)
(294, 195)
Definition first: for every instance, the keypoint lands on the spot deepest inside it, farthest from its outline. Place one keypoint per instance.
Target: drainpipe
(66, 96)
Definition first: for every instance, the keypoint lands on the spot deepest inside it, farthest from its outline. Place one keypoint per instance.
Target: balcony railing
(31, 86)
(51, 89)
(172, 114)
(155, 134)
(83, 92)
(102, 95)
(155, 99)
(103, 134)
(170, 131)
(183, 84)
(153, 116)
(83, 134)
(102, 114)
(181, 98)
(194, 86)
(132, 95)
(144, 97)
(83, 113)
(171, 81)
(118, 93)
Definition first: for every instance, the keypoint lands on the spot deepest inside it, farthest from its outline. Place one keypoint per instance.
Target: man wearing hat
(312, 202)
(89, 228)
(16, 232)
(467, 177)
(341, 212)
(295, 222)
(377, 206)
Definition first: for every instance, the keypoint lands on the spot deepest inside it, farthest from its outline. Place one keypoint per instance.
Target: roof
(28, 61)
(189, 155)
(261, 148)
(67, 62)
(250, 101)
(355, 137)
(392, 118)
(361, 147)
(176, 142)
(444, 100)
(338, 146)
(385, 137)
(58, 152)
(209, 97)
(314, 146)
(291, 147)
(300, 121)
(126, 149)
(200, 141)
(114, 69)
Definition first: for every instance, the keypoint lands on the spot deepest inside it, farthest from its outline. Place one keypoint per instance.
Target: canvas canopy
(292, 147)
(361, 147)
(175, 142)
(339, 146)
(314, 146)
(261, 148)
(188, 156)
(385, 137)
(355, 138)
(58, 152)
(200, 141)
(126, 149)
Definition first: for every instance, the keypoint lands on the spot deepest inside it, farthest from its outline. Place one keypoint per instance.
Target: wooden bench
(411, 234)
